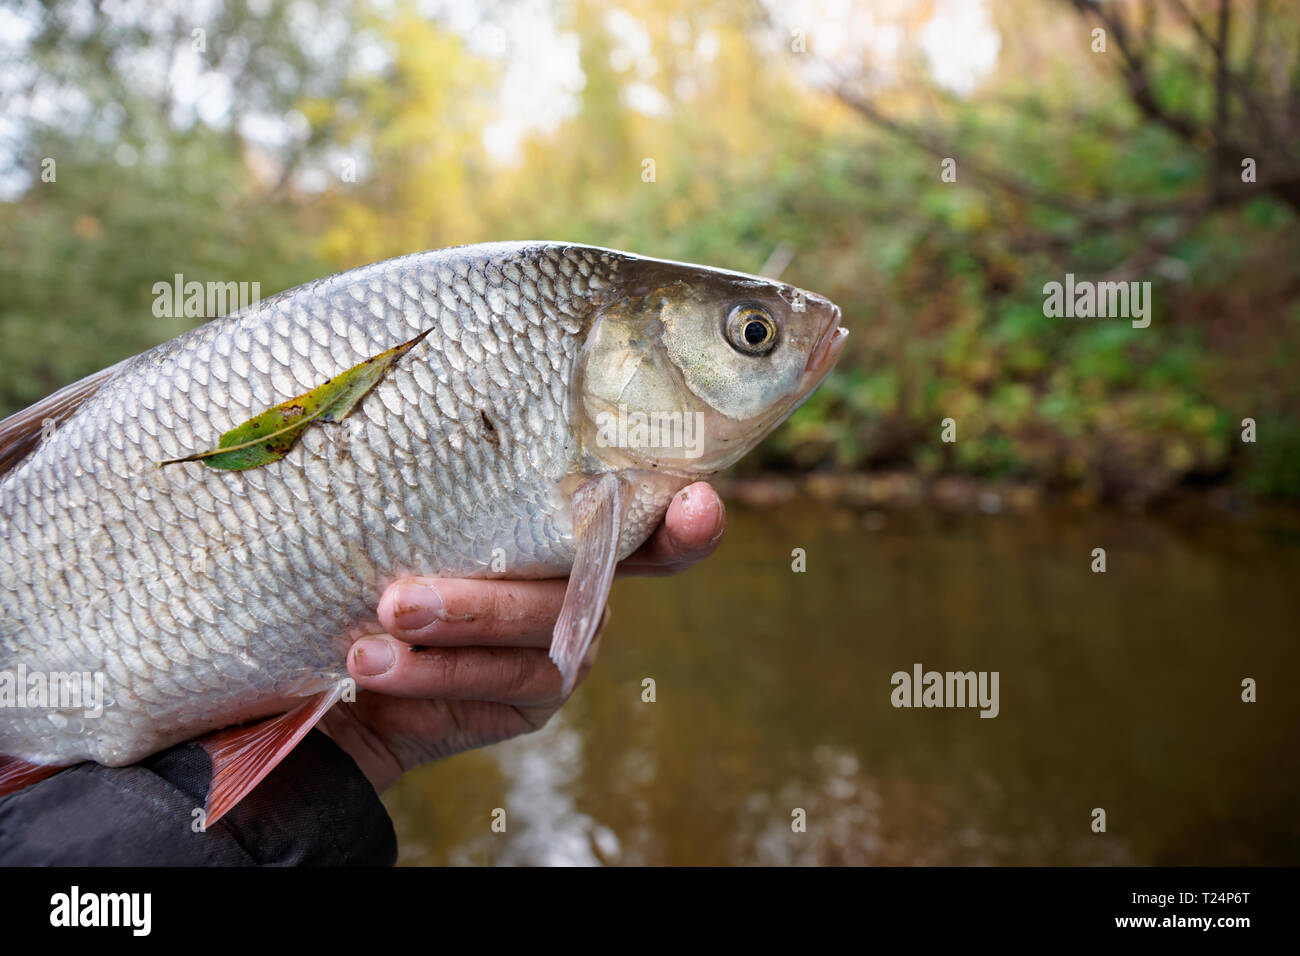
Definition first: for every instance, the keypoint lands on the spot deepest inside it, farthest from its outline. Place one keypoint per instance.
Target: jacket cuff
(315, 808)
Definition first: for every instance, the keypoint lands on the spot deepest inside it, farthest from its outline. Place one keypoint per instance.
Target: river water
(772, 738)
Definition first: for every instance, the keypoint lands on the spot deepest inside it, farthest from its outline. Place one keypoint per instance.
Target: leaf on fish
(269, 436)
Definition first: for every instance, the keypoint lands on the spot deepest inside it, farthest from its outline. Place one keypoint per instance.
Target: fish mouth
(828, 347)
(820, 361)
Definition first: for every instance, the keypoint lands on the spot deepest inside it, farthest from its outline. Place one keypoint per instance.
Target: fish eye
(751, 330)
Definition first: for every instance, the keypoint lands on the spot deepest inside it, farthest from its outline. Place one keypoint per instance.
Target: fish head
(686, 368)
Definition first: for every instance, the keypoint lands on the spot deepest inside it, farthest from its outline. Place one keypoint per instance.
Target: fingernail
(415, 606)
(722, 524)
(373, 657)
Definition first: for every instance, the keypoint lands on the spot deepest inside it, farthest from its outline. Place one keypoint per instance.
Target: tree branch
(1101, 212)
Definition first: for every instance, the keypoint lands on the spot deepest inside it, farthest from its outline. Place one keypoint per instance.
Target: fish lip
(827, 349)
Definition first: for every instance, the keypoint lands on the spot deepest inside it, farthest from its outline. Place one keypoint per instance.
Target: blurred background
(276, 142)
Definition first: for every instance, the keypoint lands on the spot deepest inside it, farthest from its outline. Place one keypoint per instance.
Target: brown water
(1119, 691)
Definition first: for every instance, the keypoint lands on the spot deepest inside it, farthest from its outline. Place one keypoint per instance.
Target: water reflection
(1118, 690)
(544, 825)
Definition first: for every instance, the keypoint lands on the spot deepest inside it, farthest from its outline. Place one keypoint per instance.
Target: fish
(205, 528)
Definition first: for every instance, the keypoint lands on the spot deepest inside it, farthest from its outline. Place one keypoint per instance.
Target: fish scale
(210, 597)
(291, 520)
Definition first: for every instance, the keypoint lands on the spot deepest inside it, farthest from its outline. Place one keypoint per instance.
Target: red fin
(16, 774)
(242, 756)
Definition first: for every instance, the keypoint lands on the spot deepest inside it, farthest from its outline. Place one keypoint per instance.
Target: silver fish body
(205, 597)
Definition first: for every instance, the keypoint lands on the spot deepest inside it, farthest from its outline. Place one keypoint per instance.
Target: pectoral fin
(599, 506)
(242, 756)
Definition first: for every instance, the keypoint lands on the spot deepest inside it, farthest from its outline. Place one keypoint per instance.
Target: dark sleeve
(314, 809)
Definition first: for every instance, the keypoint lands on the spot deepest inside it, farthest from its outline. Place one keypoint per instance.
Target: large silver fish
(550, 401)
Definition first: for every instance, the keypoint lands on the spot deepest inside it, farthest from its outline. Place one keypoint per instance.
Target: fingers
(459, 639)
(444, 665)
(519, 676)
(691, 530)
(457, 612)
(416, 731)
(451, 612)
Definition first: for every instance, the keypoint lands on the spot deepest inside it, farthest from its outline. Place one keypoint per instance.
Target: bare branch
(1135, 74)
(1196, 26)
(1101, 212)
(1221, 66)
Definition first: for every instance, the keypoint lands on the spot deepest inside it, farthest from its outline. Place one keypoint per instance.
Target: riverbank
(902, 491)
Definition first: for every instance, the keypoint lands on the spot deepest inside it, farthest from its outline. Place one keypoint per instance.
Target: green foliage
(940, 283)
(79, 257)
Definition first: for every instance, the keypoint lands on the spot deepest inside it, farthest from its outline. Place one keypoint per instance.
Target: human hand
(464, 662)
